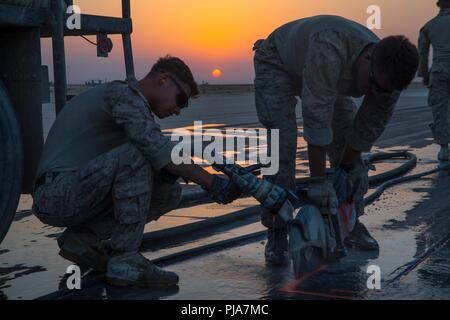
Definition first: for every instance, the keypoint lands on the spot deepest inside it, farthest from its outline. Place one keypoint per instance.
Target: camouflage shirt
(320, 52)
(99, 120)
(436, 33)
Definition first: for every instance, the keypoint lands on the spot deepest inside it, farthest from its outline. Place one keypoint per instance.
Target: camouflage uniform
(313, 58)
(111, 193)
(121, 179)
(435, 33)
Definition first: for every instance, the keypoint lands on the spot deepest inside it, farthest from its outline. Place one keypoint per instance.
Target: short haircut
(444, 3)
(399, 58)
(176, 67)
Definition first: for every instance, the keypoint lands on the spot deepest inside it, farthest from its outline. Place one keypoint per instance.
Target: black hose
(200, 229)
(388, 175)
(201, 197)
(211, 247)
(256, 236)
(374, 196)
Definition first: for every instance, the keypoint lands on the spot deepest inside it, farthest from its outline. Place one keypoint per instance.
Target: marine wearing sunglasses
(166, 93)
(182, 99)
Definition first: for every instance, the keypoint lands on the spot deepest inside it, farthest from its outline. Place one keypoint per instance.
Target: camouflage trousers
(275, 100)
(113, 196)
(438, 100)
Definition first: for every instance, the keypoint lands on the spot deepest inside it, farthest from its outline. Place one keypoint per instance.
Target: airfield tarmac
(408, 220)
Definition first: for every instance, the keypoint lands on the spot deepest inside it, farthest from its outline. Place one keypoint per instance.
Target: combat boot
(360, 238)
(133, 269)
(443, 154)
(276, 251)
(83, 248)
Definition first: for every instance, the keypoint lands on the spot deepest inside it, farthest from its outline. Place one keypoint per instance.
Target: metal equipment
(315, 235)
(22, 25)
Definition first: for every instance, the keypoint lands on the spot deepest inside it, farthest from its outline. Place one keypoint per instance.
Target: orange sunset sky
(218, 34)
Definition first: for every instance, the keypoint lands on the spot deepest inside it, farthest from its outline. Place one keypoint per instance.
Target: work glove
(223, 190)
(322, 194)
(271, 196)
(358, 176)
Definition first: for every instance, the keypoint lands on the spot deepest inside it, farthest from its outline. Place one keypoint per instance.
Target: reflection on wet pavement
(398, 220)
(406, 220)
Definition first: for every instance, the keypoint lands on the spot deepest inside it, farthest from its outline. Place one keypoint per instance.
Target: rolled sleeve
(318, 136)
(371, 120)
(323, 67)
(132, 113)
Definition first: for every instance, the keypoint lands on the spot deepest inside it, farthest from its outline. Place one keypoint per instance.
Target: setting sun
(219, 34)
(216, 73)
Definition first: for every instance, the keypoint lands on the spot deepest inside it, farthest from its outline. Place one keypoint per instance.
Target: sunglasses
(182, 99)
(372, 81)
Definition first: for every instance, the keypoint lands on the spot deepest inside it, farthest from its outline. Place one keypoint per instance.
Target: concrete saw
(315, 235)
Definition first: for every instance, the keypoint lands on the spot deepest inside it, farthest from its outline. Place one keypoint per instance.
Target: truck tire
(11, 162)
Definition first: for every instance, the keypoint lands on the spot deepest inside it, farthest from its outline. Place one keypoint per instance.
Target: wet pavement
(411, 222)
